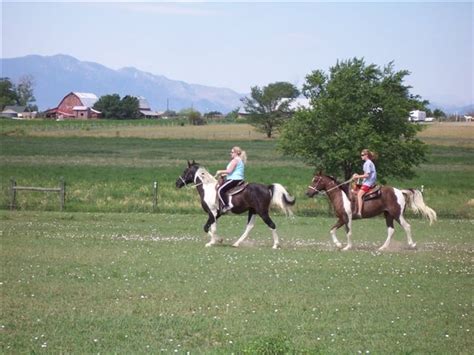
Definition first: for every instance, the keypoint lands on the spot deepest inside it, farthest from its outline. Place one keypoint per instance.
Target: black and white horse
(255, 198)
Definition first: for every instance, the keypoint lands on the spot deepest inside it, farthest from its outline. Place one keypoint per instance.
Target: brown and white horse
(255, 198)
(391, 203)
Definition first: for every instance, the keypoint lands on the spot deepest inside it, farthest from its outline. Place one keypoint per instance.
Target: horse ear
(189, 164)
(194, 162)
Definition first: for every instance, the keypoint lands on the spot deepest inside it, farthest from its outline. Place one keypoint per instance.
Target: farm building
(75, 105)
(145, 109)
(16, 112)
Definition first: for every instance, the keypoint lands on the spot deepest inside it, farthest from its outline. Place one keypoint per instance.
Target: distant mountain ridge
(57, 75)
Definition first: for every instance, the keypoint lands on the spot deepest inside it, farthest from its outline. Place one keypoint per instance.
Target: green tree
(269, 107)
(8, 95)
(109, 106)
(438, 114)
(24, 91)
(356, 106)
(129, 108)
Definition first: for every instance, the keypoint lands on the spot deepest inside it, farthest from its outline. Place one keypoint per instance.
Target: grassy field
(136, 283)
(116, 174)
(111, 276)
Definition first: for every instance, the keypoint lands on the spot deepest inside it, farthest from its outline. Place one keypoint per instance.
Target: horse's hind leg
(390, 230)
(407, 228)
(248, 228)
(268, 221)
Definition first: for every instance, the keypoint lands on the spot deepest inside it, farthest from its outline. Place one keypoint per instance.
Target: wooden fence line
(61, 190)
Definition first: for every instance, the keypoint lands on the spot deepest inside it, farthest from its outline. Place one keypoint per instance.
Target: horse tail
(417, 204)
(281, 198)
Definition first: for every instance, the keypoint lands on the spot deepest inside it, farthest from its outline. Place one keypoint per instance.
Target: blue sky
(242, 44)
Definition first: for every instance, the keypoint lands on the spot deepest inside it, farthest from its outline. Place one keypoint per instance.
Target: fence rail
(61, 190)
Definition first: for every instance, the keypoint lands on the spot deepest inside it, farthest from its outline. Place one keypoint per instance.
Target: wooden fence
(61, 190)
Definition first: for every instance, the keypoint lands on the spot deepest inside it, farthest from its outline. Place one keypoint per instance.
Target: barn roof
(87, 99)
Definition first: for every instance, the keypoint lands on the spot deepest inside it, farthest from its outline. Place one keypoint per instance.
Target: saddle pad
(372, 194)
(240, 187)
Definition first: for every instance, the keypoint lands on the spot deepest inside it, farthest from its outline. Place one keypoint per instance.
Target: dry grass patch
(459, 134)
(209, 132)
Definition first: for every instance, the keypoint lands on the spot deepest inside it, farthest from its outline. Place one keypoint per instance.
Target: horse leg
(211, 227)
(407, 228)
(248, 228)
(348, 228)
(268, 221)
(334, 228)
(390, 230)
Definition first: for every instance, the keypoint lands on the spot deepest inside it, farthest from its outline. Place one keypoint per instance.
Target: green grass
(85, 281)
(117, 174)
(133, 283)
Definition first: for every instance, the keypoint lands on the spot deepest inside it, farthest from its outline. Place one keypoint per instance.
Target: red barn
(75, 105)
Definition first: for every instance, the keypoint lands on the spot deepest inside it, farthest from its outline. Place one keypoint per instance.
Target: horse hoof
(235, 245)
(338, 245)
(412, 246)
(348, 247)
(382, 249)
(220, 240)
(276, 246)
(209, 245)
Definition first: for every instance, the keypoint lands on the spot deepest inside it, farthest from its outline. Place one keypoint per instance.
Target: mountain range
(56, 76)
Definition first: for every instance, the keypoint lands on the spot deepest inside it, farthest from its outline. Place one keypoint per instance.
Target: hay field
(459, 134)
(207, 132)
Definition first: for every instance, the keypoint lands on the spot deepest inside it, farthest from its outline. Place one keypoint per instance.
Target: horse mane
(343, 187)
(205, 176)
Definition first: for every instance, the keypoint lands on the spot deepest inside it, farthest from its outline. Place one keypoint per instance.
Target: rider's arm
(231, 168)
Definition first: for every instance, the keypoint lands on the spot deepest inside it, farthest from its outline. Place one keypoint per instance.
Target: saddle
(235, 190)
(372, 194)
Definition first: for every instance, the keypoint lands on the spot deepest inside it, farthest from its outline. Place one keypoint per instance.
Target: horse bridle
(315, 188)
(187, 185)
(332, 188)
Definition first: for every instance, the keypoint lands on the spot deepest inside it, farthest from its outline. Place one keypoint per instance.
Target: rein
(190, 186)
(332, 188)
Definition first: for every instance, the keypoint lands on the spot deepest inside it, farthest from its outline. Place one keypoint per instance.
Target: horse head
(318, 184)
(188, 174)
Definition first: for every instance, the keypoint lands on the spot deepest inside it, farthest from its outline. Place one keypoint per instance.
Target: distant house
(145, 109)
(13, 111)
(75, 105)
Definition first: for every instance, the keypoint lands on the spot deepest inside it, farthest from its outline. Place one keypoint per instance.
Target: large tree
(130, 107)
(356, 106)
(24, 91)
(269, 107)
(8, 95)
(109, 106)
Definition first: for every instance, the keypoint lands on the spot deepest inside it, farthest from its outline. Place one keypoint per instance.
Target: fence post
(12, 194)
(62, 194)
(155, 195)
